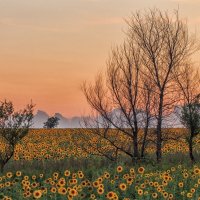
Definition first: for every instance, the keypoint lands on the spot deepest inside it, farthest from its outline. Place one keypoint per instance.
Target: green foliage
(190, 118)
(13, 127)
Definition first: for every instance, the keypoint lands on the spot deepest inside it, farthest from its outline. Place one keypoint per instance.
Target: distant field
(51, 164)
(58, 144)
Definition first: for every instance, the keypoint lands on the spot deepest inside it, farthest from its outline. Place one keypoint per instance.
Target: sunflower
(41, 175)
(73, 192)
(9, 174)
(140, 192)
(61, 182)
(95, 184)
(119, 169)
(151, 183)
(100, 179)
(101, 185)
(155, 184)
(192, 190)
(196, 171)
(7, 184)
(185, 175)
(122, 186)
(62, 190)
(132, 170)
(53, 190)
(18, 173)
(55, 174)
(141, 170)
(107, 175)
(92, 196)
(27, 194)
(83, 183)
(100, 190)
(189, 195)
(129, 181)
(26, 178)
(74, 175)
(180, 184)
(116, 177)
(37, 194)
(110, 195)
(80, 175)
(74, 181)
(154, 195)
(165, 195)
(112, 182)
(173, 169)
(34, 185)
(67, 173)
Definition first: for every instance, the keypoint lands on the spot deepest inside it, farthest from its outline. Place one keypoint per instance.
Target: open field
(48, 165)
(59, 144)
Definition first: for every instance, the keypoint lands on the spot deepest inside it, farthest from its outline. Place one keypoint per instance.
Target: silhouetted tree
(51, 122)
(190, 118)
(165, 45)
(188, 82)
(13, 127)
(157, 45)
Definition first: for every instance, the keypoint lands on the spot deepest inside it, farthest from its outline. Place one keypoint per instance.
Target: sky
(49, 47)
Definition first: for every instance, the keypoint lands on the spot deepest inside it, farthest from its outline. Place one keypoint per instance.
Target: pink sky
(49, 47)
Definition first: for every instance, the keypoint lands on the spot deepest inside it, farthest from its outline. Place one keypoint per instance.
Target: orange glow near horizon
(48, 48)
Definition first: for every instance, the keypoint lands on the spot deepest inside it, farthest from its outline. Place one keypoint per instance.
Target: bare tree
(96, 138)
(13, 127)
(148, 102)
(157, 46)
(117, 98)
(188, 82)
(165, 45)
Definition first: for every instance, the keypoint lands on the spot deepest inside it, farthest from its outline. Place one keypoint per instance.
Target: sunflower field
(31, 173)
(119, 183)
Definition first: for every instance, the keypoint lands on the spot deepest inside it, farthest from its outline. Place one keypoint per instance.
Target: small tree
(51, 122)
(13, 127)
(188, 84)
(190, 118)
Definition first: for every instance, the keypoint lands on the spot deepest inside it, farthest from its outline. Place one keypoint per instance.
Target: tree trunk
(2, 164)
(144, 142)
(159, 131)
(135, 146)
(191, 149)
(9, 156)
(159, 145)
